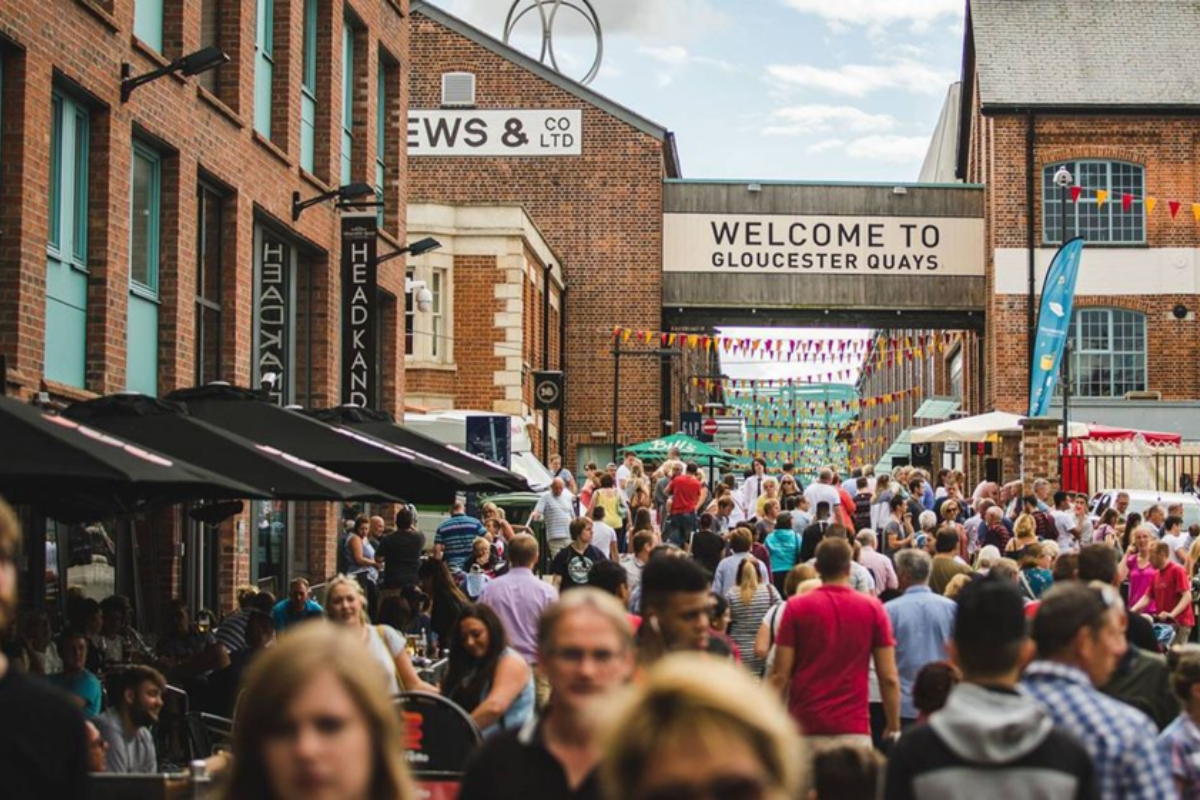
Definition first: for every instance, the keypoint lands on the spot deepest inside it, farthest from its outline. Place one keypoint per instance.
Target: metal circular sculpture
(548, 13)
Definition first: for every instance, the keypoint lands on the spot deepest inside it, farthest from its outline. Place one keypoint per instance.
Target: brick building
(1125, 125)
(596, 198)
(144, 241)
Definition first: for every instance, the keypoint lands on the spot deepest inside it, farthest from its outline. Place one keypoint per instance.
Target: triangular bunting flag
(1101, 196)
(1075, 192)
(1174, 206)
(1151, 202)
(1196, 211)
(1126, 202)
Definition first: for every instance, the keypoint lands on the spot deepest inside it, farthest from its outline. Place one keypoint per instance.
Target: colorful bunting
(1174, 206)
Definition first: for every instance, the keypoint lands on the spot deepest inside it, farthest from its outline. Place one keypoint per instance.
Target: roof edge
(1087, 109)
(488, 42)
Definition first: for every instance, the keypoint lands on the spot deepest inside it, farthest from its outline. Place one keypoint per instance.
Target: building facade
(489, 125)
(149, 243)
(1127, 132)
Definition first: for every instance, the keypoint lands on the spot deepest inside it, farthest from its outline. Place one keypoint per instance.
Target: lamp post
(351, 191)
(191, 64)
(1063, 180)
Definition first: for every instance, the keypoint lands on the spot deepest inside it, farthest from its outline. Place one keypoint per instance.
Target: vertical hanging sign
(1053, 324)
(273, 317)
(360, 380)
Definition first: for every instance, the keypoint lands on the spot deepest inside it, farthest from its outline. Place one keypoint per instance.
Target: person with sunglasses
(585, 651)
(698, 729)
(1079, 631)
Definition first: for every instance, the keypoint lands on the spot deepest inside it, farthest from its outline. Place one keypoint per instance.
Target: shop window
(145, 235)
(308, 90)
(1108, 357)
(1087, 217)
(148, 22)
(67, 268)
(347, 100)
(264, 65)
(209, 274)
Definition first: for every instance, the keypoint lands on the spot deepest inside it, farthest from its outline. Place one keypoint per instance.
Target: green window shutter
(66, 268)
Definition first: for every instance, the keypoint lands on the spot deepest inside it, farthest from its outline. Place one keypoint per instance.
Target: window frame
(308, 88)
(410, 317)
(346, 166)
(380, 135)
(204, 303)
(264, 65)
(1113, 210)
(1079, 353)
(437, 315)
(154, 239)
(149, 12)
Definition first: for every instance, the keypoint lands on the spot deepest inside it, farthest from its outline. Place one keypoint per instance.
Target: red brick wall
(83, 43)
(601, 212)
(1167, 148)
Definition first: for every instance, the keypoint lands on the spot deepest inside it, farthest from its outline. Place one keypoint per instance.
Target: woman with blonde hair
(314, 722)
(345, 604)
(1024, 535)
(749, 602)
(701, 727)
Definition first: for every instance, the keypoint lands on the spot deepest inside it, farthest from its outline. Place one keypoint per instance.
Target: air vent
(458, 89)
(1143, 395)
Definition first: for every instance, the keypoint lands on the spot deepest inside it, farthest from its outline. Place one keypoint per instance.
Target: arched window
(1086, 217)
(1108, 357)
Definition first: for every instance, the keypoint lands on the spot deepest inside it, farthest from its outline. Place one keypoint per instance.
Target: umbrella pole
(135, 558)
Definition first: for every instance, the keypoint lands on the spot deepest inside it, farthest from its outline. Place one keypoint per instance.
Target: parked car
(1141, 499)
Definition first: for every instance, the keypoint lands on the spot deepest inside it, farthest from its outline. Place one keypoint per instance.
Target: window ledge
(1102, 245)
(219, 106)
(67, 391)
(321, 185)
(429, 366)
(273, 149)
(101, 13)
(155, 56)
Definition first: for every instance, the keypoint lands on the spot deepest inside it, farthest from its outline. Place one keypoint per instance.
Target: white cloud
(890, 149)
(826, 145)
(878, 12)
(677, 59)
(857, 80)
(802, 120)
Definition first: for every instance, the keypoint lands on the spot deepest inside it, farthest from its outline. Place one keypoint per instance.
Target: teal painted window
(308, 89)
(148, 22)
(264, 66)
(145, 229)
(347, 99)
(67, 276)
(210, 269)
(381, 112)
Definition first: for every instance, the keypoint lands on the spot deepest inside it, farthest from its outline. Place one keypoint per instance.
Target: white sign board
(833, 245)
(495, 132)
(952, 447)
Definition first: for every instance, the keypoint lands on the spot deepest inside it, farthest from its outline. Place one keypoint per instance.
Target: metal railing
(1157, 472)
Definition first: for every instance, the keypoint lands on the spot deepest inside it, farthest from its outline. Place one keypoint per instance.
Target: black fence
(1156, 472)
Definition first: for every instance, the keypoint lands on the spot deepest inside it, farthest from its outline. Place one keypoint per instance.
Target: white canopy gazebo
(979, 428)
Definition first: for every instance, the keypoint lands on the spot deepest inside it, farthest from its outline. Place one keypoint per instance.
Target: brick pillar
(1039, 451)
(1009, 451)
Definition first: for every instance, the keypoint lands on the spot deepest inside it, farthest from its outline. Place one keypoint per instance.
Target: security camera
(268, 380)
(424, 300)
(1063, 178)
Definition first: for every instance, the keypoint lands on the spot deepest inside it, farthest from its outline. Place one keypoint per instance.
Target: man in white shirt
(136, 696)
(1177, 539)
(821, 491)
(751, 489)
(625, 471)
(1065, 523)
(604, 538)
(643, 543)
(555, 508)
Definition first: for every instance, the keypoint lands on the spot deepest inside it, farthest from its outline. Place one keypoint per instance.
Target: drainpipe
(1030, 188)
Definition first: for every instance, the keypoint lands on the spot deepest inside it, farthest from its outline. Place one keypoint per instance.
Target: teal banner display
(1054, 320)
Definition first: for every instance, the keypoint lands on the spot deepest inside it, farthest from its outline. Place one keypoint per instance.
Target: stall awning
(901, 448)
(170, 428)
(340, 448)
(937, 408)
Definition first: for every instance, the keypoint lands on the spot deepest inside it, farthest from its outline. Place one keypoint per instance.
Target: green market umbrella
(689, 450)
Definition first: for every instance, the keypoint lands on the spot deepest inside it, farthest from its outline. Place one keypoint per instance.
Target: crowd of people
(862, 636)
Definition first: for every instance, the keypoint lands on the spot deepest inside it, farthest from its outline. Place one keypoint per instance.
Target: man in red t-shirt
(826, 641)
(1172, 593)
(685, 493)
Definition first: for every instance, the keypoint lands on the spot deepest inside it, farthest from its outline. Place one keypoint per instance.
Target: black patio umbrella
(72, 470)
(339, 448)
(485, 476)
(169, 427)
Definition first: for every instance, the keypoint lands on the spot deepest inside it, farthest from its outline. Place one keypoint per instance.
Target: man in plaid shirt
(1080, 635)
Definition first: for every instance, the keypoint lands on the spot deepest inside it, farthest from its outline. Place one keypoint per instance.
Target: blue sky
(769, 89)
(846, 90)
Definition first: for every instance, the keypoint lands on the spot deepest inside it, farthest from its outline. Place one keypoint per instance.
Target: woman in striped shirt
(749, 602)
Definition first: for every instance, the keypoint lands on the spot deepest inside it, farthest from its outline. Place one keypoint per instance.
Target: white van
(450, 427)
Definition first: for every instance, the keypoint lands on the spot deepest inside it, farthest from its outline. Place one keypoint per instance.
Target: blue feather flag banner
(1054, 321)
